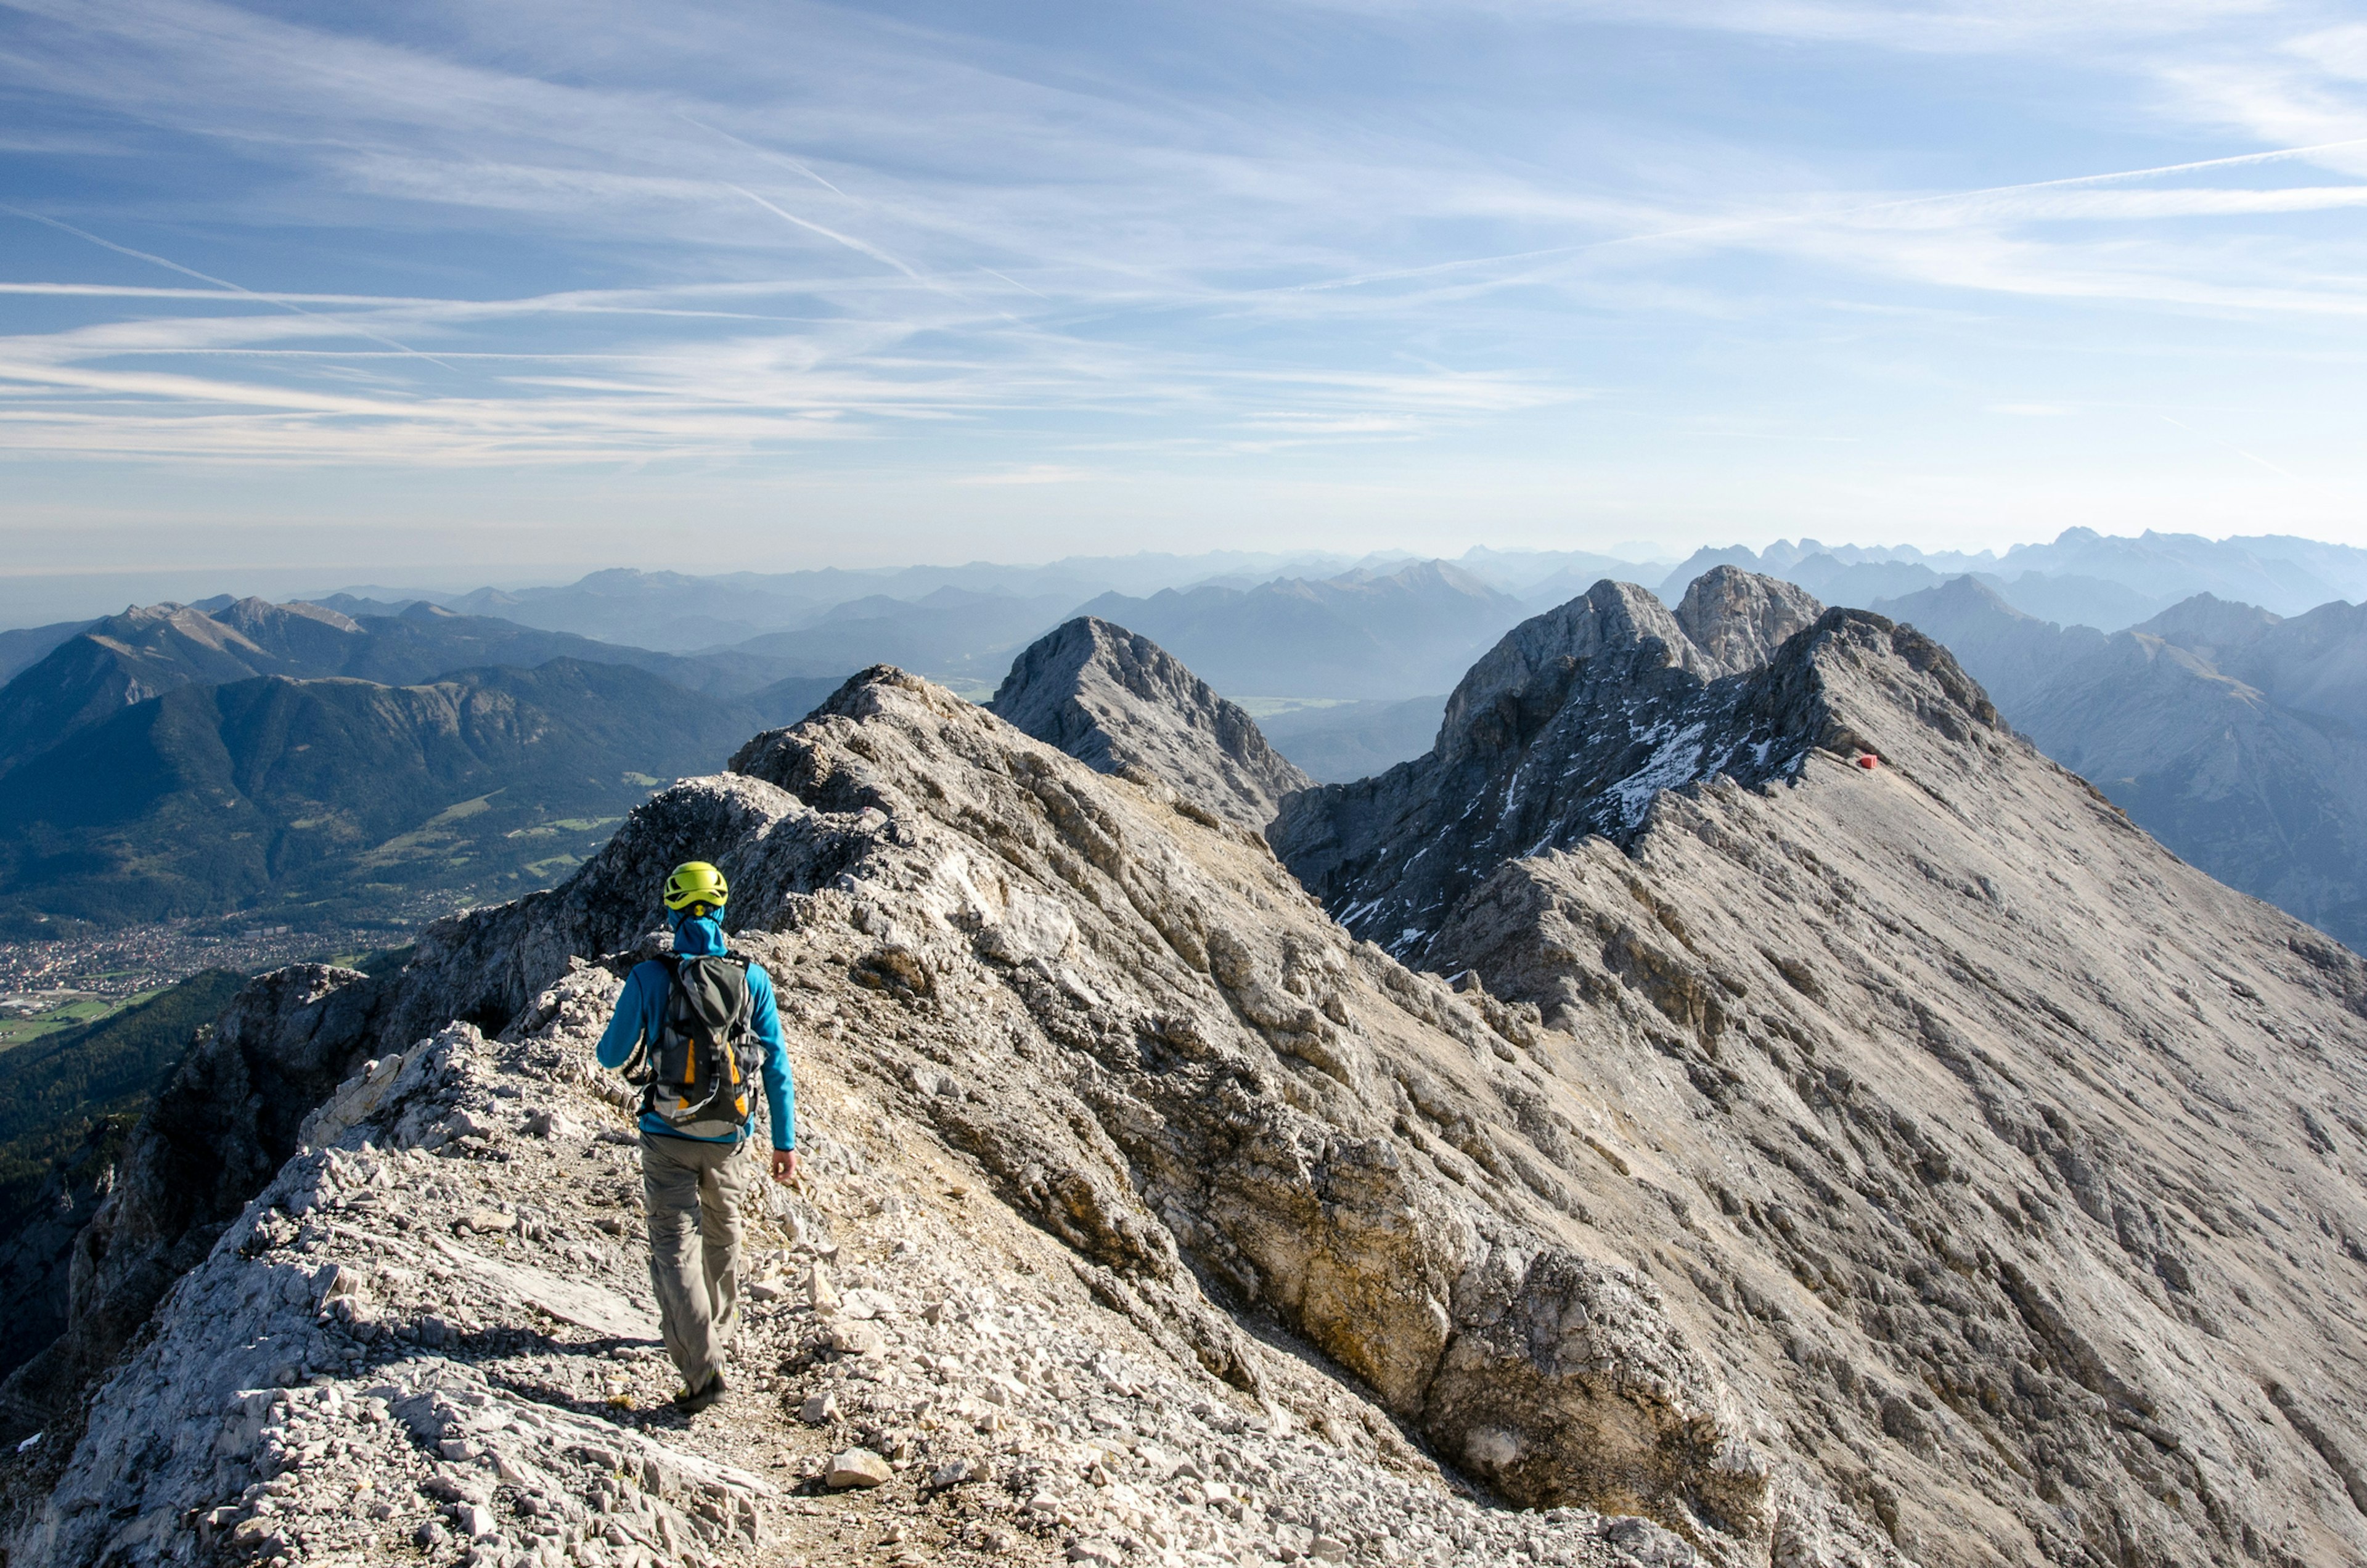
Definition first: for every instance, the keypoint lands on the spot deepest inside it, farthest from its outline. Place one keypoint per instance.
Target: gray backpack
(697, 1079)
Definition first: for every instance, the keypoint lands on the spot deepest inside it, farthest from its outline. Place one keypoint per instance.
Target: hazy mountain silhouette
(1362, 633)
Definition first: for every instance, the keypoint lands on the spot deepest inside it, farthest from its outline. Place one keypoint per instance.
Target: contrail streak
(852, 243)
(875, 253)
(1744, 224)
(2204, 435)
(782, 158)
(225, 284)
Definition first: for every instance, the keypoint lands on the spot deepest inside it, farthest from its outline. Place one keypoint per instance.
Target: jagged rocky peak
(1572, 725)
(1119, 702)
(2031, 1107)
(1738, 618)
(1522, 682)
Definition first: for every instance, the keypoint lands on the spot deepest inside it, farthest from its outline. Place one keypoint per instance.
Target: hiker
(693, 1028)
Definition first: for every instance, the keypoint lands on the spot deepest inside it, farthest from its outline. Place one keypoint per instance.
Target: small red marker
(1869, 761)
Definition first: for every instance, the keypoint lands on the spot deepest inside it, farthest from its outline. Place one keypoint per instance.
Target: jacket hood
(697, 937)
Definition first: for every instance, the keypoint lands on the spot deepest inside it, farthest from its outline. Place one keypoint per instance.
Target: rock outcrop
(1117, 702)
(1572, 725)
(1738, 619)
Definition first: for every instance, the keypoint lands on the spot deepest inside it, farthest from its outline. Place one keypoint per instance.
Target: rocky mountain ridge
(2028, 1107)
(1124, 1022)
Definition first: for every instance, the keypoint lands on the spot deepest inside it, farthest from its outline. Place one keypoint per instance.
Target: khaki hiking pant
(693, 1192)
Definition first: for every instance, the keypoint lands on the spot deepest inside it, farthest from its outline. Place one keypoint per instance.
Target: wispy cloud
(808, 236)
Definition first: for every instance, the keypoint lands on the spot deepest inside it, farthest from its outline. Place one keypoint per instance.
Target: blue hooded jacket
(640, 1018)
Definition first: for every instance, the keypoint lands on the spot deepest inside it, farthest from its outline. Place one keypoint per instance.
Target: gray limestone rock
(1117, 701)
(1738, 618)
(336, 1383)
(1839, 1167)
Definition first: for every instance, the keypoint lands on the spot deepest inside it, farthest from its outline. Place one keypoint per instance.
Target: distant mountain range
(178, 759)
(342, 792)
(681, 611)
(2082, 578)
(1352, 663)
(957, 635)
(1362, 633)
(101, 667)
(2236, 737)
(319, 758)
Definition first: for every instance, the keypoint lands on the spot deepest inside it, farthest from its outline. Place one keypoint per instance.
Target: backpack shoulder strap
(641, 1066)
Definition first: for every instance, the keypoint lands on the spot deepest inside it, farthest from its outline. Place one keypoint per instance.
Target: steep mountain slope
(1869, 1164)
(123, 659)
(2053, 1138)
(2266, 798)
(1116, 701)
(141, 654)
(1358, 635)
(1568, 728)
(210, 798)
(29, 645)
(65, 1103)
(2264, 794)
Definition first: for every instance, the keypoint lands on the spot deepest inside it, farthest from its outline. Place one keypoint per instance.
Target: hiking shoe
(691, 1403)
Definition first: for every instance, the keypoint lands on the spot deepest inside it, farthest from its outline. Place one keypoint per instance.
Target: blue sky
(450, 293)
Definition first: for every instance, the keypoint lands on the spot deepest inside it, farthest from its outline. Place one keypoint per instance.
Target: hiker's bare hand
(785, 1165)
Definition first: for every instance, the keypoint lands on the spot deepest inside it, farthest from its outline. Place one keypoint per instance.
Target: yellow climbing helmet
(696, 886)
